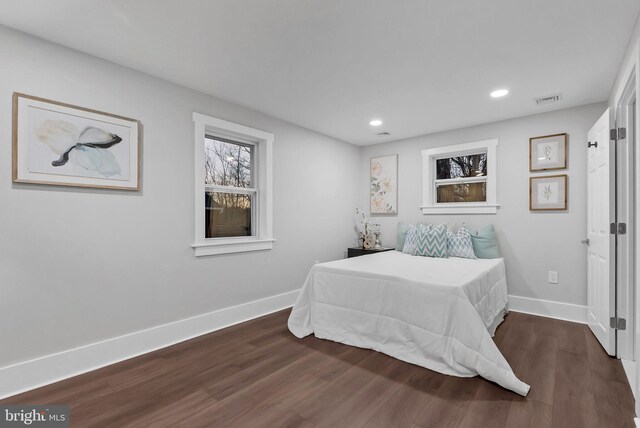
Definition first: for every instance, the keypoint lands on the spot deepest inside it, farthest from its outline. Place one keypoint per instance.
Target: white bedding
(436, 313)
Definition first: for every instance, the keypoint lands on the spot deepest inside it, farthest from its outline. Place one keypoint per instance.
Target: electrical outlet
(553, 277)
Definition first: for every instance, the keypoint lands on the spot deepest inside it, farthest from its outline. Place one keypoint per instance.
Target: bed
(438, 313)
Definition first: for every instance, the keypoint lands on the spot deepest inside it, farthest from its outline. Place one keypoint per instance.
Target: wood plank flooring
(257, 374)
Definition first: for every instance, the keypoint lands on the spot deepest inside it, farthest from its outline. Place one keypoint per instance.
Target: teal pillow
(485, 244)
(401, 235)
(431, 241)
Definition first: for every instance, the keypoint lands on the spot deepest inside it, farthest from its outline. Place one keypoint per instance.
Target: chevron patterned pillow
(431, 242)
(411, 239)
(460, 244)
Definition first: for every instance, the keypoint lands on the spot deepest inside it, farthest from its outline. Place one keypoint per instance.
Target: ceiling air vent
(383, 134)
(548, 100)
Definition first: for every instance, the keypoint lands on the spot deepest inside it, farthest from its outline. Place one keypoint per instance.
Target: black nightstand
(359, 251)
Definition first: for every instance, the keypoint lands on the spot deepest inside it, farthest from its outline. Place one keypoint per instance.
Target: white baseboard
(27, 375)
(547, 308)
(630, 370)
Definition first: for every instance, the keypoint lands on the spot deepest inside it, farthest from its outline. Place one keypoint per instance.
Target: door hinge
(618, 228)
(618, 323)
(618, 134)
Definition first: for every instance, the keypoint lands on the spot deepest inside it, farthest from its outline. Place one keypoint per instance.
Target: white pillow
(459, 244)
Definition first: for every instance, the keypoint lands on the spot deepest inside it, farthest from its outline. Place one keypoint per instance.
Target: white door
(600, 215)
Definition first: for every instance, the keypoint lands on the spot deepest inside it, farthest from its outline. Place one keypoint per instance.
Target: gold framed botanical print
(548, 192)
(548, 152)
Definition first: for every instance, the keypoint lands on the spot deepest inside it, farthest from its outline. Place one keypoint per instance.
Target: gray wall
(630, 60)
(531, 242)
(78, 266)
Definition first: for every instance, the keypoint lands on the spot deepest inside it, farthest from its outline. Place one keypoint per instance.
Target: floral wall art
(384, 185)
(62, 144)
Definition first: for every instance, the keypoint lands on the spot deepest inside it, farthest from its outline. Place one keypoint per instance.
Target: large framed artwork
(549, 192)
(66, 145)
(548, 152)
(384, 185)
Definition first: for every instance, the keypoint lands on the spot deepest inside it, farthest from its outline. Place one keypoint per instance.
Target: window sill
(458, 209)
(230, 246)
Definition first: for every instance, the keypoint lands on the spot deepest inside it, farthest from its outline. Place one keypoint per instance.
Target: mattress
(436, 313)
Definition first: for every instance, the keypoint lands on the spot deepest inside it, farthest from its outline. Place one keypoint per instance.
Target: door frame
(626, 198)
(632, 69)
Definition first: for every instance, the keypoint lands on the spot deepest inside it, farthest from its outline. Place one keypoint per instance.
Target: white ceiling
(332, 65)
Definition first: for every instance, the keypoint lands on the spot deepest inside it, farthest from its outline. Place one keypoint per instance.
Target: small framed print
(548, 192)
(548, 152)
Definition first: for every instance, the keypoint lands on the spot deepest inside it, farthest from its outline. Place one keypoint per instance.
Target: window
(460, 179)
(229, 191)
(233, 187)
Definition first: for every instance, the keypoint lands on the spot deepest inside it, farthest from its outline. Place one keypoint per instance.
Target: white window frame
(262, 239)
(429, 157)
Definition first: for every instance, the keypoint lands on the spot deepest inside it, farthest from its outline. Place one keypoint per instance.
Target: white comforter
(436, 313)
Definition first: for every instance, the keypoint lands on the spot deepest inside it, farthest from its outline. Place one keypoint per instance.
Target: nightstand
(359, 251)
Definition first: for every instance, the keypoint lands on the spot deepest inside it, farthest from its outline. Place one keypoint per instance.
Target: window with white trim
(233, 174)
(460, 179)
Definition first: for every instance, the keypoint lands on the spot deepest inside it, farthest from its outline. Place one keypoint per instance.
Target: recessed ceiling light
(375, 122)
(499, 93)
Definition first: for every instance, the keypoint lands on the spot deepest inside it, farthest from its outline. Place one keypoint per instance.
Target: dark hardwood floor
(257, 374)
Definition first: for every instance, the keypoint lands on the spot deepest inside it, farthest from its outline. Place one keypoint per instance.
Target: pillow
(431, 241)
(411, 239)
(401, 235)
(485, 244)
(459, 244)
